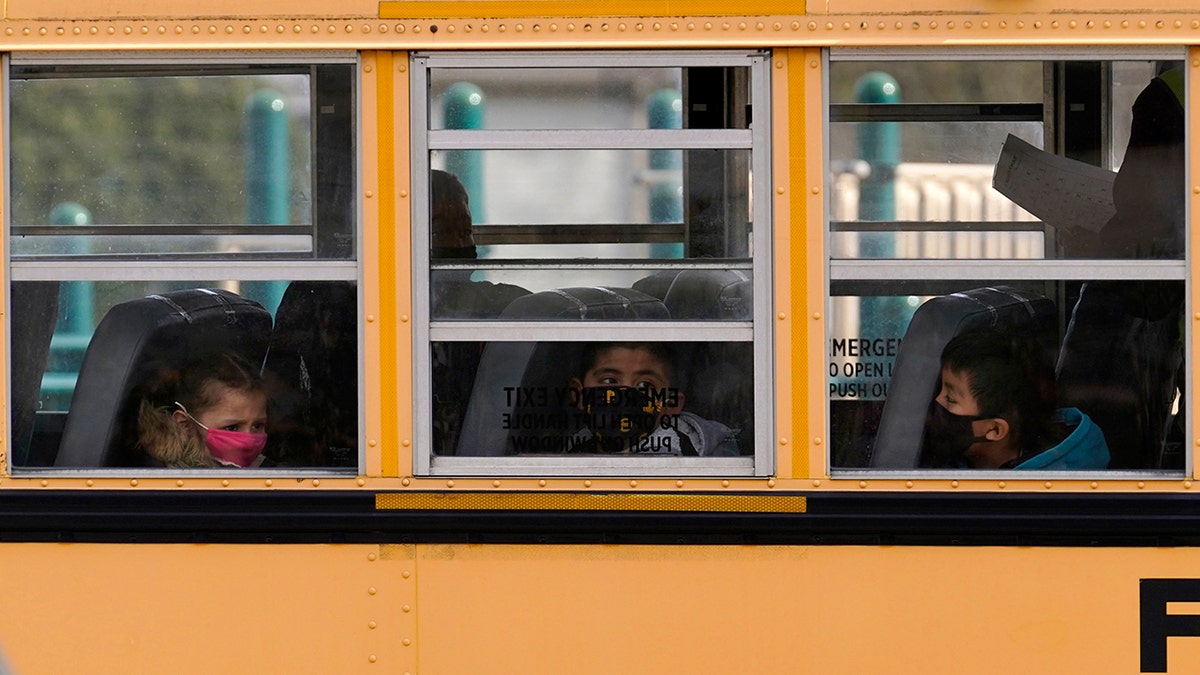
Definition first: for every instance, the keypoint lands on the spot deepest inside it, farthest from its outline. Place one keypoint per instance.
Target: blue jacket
(1084, 448)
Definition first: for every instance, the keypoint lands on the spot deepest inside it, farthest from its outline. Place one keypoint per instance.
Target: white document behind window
(1062, 192)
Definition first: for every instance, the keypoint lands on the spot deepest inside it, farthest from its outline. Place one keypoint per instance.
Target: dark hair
(449, 210)
(445, 187)
(659, 350)
(1008, 377)
(196, 389)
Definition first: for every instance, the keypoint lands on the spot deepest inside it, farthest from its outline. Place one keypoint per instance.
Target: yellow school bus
(538, 337)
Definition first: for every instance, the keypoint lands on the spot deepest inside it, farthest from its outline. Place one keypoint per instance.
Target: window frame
(857, 274)
(758, 332)
(239, 266)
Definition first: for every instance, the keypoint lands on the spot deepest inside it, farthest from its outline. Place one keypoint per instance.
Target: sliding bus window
(176, 224)
(598, 208)
(1007, 267)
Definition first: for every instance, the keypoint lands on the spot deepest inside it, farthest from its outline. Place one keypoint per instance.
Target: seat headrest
(311, 375)
(594, 303)
(715, 295)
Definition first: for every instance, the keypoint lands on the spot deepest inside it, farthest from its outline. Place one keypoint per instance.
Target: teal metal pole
(74, 315)
(664, 110)
(267, 159)
(464, 107)
(75, 323)
(879, 146)
(268, 163)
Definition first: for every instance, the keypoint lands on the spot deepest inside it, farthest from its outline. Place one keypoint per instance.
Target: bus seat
(917, 370)
(721, 295)
(594, 303)
(455, 296)
(539, 367)
(1133, 329)
(135, 342)
(311, 372)
(36, 302)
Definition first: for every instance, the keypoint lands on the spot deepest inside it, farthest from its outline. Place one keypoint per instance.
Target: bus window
(578, 203)
(164, 210)
(1051, 196)
(640, 399)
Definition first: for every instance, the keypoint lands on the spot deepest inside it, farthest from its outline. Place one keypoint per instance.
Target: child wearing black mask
(625, 391)
(994, 410)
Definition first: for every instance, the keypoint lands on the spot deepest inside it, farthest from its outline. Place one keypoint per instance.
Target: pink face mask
(231, 447)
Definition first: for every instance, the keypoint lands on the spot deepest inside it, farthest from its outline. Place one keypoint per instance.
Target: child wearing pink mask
(216, 417)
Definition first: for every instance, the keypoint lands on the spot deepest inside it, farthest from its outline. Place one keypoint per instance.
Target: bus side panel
(763, 609)
(184, 608)
(433, 608)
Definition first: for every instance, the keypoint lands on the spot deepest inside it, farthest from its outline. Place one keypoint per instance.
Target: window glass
(600, 187)
(598, 206)
(176, 144)
(80, 245)
(175, 304)
(901, 154)
(925, 81)
(99, 367)
(145, 129)
(465, 293)
(588, 98)
(603, 203)
(1004, 354)
(641, 399)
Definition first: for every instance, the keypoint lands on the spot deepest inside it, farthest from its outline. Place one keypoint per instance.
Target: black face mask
(453, 252)
(618, 416)
(947, 436)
